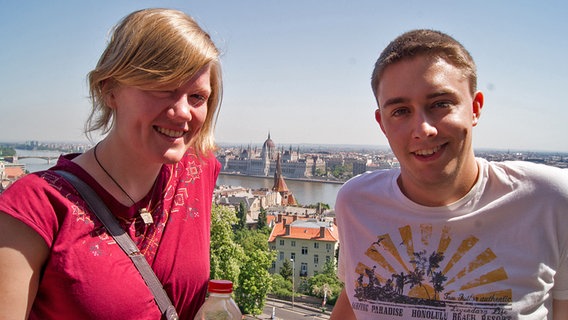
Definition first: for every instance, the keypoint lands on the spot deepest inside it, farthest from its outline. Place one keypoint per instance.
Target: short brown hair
(426, 42)
(155, 48)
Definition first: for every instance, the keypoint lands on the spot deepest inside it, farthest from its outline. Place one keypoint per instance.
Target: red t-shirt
(87, 275)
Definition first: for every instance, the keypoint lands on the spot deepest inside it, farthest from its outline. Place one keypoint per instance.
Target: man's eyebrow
(441, 93)
(395, 100)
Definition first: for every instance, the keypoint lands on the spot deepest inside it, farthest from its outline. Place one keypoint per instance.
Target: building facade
(307, 244)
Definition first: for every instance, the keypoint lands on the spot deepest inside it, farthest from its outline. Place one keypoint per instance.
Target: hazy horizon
(299, 70)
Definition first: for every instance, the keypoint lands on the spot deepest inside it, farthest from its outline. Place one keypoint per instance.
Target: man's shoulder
(371, 179)
(526, 172)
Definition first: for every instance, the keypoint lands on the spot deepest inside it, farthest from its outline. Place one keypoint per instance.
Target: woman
(155, 91)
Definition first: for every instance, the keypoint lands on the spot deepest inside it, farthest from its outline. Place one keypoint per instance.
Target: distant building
(251, 162)
(255, 200)
(10, 172)
(287, 197)
(310, 243)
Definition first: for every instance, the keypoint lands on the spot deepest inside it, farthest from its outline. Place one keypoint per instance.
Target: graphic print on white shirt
(423, 273)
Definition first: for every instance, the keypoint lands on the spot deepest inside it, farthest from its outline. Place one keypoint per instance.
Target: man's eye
(399, 112)
(442, 104)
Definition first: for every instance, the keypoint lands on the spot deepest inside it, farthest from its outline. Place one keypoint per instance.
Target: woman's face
(159, 125)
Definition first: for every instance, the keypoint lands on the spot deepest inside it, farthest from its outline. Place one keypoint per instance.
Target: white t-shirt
(498, 253)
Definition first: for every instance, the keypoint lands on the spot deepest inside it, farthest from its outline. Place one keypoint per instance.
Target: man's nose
(424, 127)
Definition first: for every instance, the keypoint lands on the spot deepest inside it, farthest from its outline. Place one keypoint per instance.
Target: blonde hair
(155, 48)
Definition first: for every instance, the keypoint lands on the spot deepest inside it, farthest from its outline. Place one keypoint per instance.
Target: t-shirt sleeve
(31, 200)
(560, 289)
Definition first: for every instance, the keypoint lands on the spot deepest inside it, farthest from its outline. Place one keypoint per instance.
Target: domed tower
(268, 149)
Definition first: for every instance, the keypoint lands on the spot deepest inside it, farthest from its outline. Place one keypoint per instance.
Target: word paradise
(430, 313)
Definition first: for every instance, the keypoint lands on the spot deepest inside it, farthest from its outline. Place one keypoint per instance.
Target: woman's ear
(107, 89)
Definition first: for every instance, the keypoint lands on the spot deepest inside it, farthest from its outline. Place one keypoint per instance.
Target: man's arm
(342, 309)
(22, 254)
(560, 309)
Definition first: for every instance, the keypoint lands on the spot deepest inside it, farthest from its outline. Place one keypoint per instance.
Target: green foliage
(226, 255)
(286, 270)
(252, 240)
(326, 284)
(343, 172)
(281, 288)
(254, 281)
(321, 205)
(261, 223)
(241, 216)
(249, 272)
(7, 151)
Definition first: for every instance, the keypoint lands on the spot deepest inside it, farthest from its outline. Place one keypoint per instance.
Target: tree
(254, 279)
(261, 223)
(241, 216)
(286, 270)
(326, 285)
(254, 282)
(226, 255)
(281, 287)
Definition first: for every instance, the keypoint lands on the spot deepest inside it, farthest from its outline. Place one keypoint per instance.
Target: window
(316, 259)
(281, 242)
(327, 258)
(328, 246)
(293, 243)
(281, 256)
(304, 270)
(293, 256)
(316, 245)
(304, 250)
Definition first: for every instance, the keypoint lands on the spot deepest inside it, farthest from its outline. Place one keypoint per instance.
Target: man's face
(427, 113)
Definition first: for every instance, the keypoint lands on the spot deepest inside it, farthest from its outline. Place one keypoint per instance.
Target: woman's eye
(162, 93)
(198, 97)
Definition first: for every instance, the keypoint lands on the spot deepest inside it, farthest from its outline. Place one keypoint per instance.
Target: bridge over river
(49, 159)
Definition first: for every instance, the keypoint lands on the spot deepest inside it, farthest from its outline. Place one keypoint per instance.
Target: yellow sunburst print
(430, 266)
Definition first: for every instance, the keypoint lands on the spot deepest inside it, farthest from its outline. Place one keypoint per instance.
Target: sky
(299, 70)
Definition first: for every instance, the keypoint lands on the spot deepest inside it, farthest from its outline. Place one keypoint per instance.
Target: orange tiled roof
(304, 230)
(280, 185)
(13, 172)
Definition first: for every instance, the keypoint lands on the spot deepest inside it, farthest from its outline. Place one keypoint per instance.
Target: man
(448, 235)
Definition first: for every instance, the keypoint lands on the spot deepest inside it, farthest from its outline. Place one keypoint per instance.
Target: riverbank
(285, 178)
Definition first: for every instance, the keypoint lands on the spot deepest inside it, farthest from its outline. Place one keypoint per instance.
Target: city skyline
(299, 70)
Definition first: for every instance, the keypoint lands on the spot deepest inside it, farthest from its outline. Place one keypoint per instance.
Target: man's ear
(477, 106)
(378, 119)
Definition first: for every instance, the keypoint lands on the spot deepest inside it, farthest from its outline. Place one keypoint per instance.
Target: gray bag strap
(125, 242)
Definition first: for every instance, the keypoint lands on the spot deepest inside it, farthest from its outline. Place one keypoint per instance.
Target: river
(306, 192)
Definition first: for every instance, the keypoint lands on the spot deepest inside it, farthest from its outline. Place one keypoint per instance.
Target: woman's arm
(22, 255)
(342, 309)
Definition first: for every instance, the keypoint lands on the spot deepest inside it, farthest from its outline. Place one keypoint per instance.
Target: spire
(279, 183)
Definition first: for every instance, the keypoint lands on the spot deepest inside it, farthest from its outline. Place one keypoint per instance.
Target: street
(283, 310)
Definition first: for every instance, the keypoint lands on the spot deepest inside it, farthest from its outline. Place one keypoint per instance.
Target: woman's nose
(181, 109)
